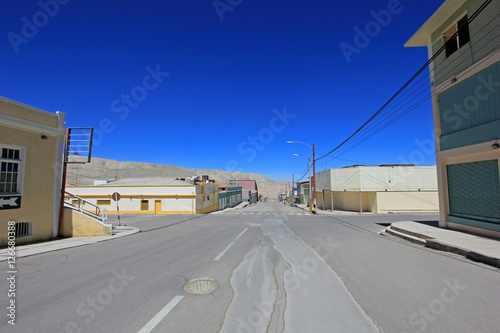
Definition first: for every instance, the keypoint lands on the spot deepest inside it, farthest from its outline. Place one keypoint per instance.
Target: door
(157, 206)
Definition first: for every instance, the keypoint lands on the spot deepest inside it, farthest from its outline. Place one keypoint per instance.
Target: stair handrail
(100, 214)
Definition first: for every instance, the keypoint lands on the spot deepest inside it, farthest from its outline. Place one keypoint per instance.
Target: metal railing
(100, 213)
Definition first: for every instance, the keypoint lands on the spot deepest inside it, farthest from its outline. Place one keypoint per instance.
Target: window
(11, 170)
(104, 202)
(144, 204)
(24, 229)
(454, 42)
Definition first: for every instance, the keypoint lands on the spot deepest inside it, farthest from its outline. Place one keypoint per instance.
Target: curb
(472, 255)
(132, 231)
(411, 233)
(329, 212)
(432, 243)
(306, 209)
(407, 237)
(238, 206)
(67, 243)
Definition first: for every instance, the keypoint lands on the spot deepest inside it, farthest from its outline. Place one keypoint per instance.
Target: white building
(378, 189)
(151, 196)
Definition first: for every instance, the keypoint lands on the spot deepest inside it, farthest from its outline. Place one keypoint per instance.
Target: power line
(305, 173)
(419, 102)
(374, 131)
(402, 89)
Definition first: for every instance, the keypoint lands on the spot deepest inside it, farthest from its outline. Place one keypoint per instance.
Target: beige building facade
(378, 189)
(31, 154)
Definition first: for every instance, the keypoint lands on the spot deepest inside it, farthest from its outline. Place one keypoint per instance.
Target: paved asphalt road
(278, 269)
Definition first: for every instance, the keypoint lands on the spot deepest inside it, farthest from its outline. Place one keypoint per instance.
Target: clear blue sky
(105, 64)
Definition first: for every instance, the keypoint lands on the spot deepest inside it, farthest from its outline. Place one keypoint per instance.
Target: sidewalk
(239, 206)
(329, 212)
(473, 247)
(65, 243)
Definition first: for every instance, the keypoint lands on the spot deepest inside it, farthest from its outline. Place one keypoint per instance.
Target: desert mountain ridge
(111, 170)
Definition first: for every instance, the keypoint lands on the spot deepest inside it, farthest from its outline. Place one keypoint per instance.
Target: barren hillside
(110, 170)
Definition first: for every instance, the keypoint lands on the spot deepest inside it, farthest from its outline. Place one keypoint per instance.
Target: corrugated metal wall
(474, 190)
(470, 103)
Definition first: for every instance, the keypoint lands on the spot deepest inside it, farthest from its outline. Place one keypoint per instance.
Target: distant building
(284, 190)
(303, 192)
(151, 196)
(250, 191)
(31, 154)
(378, 189)
(230, 197)
(462, 38)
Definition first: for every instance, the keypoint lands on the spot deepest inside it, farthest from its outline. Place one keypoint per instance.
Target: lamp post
(314, 173)
(309, 168)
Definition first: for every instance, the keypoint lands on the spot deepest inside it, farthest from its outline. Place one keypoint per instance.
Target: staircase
(98, 213)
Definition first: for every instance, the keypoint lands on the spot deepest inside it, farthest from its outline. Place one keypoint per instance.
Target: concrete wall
(350, 201)
(21, 127)
(407, 201)
(324, 180)
(378, 178)
(378, 202)
(383, 188)
(77, 224)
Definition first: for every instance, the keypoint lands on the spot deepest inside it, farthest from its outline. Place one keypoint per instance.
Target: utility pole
(293, 187)
(314, 180)
(314, 172)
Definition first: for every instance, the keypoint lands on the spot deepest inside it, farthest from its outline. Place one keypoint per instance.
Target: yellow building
(31, 149)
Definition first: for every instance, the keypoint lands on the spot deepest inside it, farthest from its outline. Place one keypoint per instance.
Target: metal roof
(147, 182)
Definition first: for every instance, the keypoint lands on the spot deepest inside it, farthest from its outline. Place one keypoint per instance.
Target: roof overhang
(31, 126)
(423, 34)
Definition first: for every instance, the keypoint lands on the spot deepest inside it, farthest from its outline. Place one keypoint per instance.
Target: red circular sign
(116, 196)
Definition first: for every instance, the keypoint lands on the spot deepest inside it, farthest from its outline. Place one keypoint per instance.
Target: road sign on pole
(116, 197)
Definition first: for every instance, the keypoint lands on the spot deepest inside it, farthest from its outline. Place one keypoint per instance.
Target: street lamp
(314, 173)
(309, 168)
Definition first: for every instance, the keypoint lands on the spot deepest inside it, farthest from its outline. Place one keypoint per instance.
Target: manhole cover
(201, 286)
